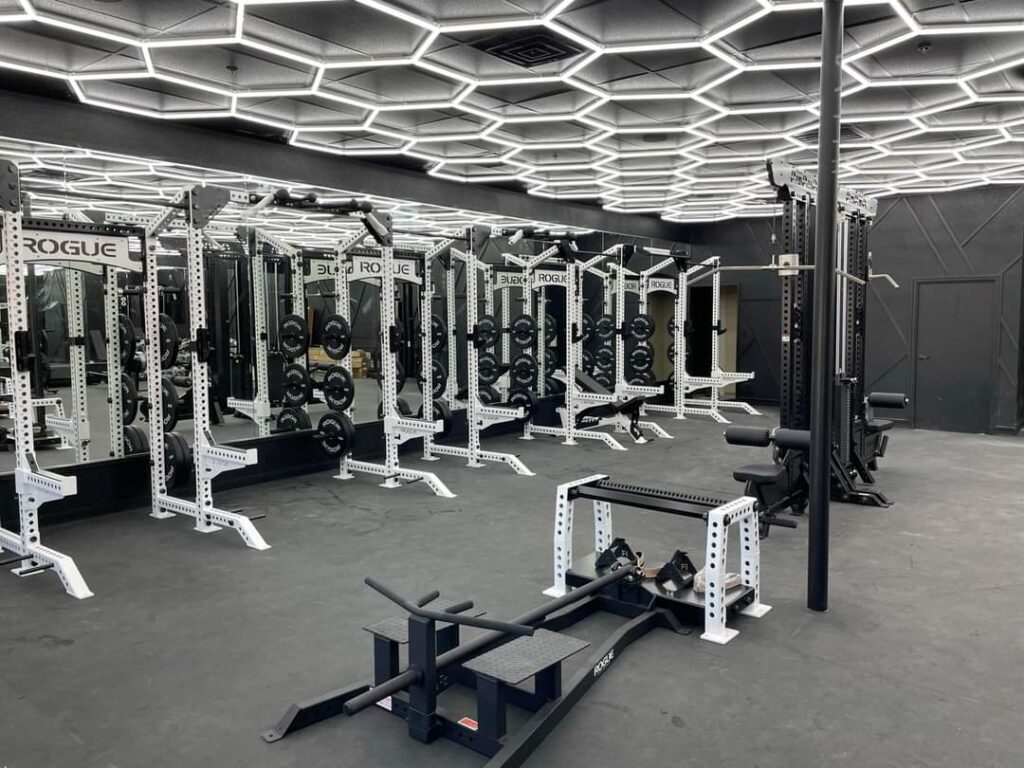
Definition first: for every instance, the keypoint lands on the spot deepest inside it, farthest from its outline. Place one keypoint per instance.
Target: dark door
(954, 355)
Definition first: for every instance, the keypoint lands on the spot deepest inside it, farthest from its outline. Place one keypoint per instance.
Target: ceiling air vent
(847, 134)
(528, 48)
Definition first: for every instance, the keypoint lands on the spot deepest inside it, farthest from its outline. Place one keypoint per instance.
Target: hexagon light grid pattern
(62, 180)
(650, 106)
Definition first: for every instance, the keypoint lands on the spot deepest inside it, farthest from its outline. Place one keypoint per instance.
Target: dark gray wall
(978, 232)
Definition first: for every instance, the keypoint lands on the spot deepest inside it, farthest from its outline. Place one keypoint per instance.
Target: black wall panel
(972, 233)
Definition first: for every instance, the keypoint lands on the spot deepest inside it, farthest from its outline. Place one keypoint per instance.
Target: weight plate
(177, 460)
(488, 368)
(672, 352)
(605, 327)
(554, 386)
(293, 336)
(520, 397)
(399, 376)
(296, 385)
(401, 405)
(524, 371)
(644, 379)
(672, 326)
(339, 388)
(587, 362)
(604, 378)
(550, 327)
(489, 396)
(439, 374)
(524, 331)
(337, 434)
(605, 358)
(550, 362)
(293, 419)
(641, 327)
(443, 414)
(438, 333)
(641, 359)
(487, 332)
(129, 399)
(171, 402)
(126, 338)
(169, 341)
(588, 328)
(336, 337)
(135, 440)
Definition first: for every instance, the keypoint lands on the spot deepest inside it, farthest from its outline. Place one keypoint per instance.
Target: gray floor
(193, 644)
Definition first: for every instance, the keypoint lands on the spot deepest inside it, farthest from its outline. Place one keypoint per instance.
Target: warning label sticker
(469, 722)
(385, 703)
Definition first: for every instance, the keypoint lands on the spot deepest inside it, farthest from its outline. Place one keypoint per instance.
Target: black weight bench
(759, 474)
(879, 425)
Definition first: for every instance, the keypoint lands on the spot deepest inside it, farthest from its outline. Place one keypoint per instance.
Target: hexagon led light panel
(666, 107)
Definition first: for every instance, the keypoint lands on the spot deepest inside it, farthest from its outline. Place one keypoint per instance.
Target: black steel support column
(823, 358)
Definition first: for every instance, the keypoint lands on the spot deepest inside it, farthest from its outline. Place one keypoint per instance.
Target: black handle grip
(465, 605)
(428, 598)
(757, 436)
(451, 618)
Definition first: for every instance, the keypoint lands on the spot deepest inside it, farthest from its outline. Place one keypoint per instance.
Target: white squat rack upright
(398, 428)
(478, 416)
(197, 206)
(685, 383)
(33, 485)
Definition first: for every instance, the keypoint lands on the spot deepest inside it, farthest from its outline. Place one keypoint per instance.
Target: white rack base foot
(37, 555)
(393, 476)
(211, 519)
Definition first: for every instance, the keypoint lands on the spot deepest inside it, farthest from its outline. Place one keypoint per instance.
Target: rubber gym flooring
(194, 644)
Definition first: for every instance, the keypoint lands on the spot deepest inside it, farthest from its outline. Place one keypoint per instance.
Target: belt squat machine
(197, 205)
(478, 415)
(33, 485)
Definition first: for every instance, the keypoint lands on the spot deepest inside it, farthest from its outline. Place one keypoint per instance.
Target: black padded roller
(799, 439)
(747, 436)
(887, 400)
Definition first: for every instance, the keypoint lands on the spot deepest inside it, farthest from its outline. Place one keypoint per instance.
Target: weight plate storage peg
(336, 434)
(641, 359)
(336, 337)
(171, 403)
(129, 399)
(605, 358)
(605, 327)
(521, 397)
(486, 332)
(443, 414)
(292, 420)
(296, 385)
(488, 368)
(524, 331)
(169, 341)
(438, 333)
(293, 336)
(177, 460)
(339, 388)
(641, 327)
(524, 371)
(126, 338)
